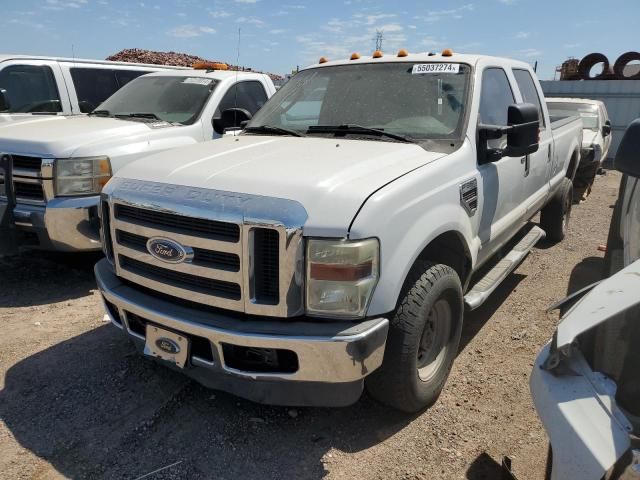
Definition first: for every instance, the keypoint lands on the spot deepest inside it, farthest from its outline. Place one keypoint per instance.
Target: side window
(93, 86)
(528, 90)
(125, 76)
(30, 89)
(248, 95)
(495, 98)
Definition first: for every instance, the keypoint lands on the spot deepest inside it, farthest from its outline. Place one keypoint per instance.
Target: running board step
(487, 284)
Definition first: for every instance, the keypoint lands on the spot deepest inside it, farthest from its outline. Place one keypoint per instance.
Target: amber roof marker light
(210, 66)
(447, 52)
(403, 53)
(355, 56)
(323, 60)
(377, 54)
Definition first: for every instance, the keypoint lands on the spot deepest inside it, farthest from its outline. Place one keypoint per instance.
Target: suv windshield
(587, 112)
(172, 99)
(416, 101)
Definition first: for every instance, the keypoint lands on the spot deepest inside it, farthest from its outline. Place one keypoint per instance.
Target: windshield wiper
(101, 113)
(347, 128)
(152, 116)
(274, 129)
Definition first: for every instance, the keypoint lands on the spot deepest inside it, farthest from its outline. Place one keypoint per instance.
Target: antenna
(379, 38)
(73, 53)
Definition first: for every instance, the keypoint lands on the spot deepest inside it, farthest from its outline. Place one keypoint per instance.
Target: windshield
(172, 99)
(417, 101)
(586, 111)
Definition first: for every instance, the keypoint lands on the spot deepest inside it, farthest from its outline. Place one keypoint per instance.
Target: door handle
(526, 161)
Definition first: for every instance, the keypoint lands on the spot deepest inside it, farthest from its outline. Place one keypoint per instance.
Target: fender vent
(469, 196)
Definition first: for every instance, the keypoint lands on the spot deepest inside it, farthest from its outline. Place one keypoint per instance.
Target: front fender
(406, 217)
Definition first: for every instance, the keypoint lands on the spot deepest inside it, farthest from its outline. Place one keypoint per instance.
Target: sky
(278, 36)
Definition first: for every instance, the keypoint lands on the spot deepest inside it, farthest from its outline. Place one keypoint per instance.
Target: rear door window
(30, 89)
(93, 86)
(528, 90)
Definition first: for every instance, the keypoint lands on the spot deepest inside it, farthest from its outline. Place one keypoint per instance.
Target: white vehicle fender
(416, 212)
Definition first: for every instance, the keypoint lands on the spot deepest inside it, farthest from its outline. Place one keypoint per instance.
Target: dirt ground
(77, 402)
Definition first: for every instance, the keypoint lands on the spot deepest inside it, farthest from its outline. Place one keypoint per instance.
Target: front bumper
(62, 224)
(333, 358)
(591, 155)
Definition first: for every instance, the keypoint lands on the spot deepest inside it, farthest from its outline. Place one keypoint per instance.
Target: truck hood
(7, 119)
(62, 136)
(608, 299)
(331, 178)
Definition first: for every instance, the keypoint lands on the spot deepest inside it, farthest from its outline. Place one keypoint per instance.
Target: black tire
(423, 340)
(549, 465)
(555, 216)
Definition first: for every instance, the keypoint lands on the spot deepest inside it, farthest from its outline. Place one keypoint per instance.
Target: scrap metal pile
(139, 55)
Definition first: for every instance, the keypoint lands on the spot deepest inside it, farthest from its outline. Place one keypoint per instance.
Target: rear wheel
(555, 216)
(423, 340)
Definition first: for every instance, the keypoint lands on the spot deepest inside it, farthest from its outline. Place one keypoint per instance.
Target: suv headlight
(341, 276)
(81, 176)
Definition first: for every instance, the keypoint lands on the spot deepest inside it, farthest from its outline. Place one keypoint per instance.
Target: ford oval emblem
(169, 250)
(167, 345)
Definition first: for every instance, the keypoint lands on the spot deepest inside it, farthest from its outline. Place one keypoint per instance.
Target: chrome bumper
(333, 358)
(62, 224)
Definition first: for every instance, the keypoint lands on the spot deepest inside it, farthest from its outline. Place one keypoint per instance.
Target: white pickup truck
(51, 173)
(596, 138)
(336, 240)
(33, 87)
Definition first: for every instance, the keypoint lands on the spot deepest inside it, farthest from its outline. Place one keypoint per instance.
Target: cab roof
(6, 57)
(429, 57)
(215, 74)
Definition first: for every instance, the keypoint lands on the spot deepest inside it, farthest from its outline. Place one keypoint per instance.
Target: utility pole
(379, 38)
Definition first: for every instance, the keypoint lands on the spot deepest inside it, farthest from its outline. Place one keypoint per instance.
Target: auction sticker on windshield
(197, 81)
(435, 68)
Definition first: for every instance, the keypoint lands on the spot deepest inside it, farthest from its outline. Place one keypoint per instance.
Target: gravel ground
(77, 402)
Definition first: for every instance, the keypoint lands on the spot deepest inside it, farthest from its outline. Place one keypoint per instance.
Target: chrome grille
(247, 251)
(31, 178)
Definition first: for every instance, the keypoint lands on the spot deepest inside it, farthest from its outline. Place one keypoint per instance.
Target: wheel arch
(573, 164)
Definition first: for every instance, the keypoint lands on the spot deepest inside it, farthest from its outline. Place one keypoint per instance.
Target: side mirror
(606, 130)
(231, 118)
(628, 155)
(4, 101)
(522, 134)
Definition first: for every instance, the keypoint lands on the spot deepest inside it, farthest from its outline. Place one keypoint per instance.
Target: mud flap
(8, 234)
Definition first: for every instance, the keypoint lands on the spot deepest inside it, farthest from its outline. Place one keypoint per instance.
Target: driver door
(502, 212)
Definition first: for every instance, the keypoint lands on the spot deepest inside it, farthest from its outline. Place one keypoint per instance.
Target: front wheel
(423, 340)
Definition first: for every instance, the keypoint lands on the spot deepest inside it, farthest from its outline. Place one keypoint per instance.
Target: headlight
(341, 276)
(81, 176)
